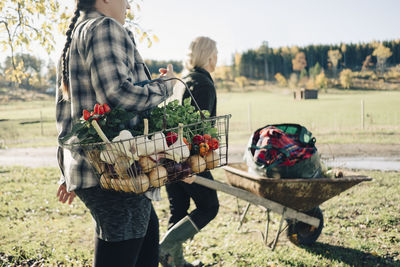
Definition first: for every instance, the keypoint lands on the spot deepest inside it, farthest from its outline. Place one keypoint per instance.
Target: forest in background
(313, 66)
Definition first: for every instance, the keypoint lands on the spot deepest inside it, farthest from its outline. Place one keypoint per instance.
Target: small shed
(305, 94)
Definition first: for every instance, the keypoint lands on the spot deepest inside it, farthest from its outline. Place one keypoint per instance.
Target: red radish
(96, 108)
(106, 108)
(197, 139)
(86, 114)
(171, 138)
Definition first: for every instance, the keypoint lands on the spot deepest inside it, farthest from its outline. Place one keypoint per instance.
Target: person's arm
(108, 52)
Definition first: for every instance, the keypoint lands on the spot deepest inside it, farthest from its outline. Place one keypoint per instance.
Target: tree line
(264, 62)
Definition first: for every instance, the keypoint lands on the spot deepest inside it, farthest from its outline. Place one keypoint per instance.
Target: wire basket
(137, 164)
(143, 162)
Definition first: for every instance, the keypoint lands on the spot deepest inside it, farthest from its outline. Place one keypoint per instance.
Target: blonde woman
(201, 61)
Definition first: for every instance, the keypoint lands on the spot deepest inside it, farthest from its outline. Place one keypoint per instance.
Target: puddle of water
(364, 163)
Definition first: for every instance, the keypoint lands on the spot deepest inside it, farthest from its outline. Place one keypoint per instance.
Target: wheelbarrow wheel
(301, 233)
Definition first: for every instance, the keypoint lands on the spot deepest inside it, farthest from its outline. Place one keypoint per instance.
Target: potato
(105, 182)
(158, 176)
(212, 160)
(140, 184)
(197, 163)
(116, 184)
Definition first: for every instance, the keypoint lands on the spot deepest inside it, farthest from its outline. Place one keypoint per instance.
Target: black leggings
(206, 201)
(137, 252)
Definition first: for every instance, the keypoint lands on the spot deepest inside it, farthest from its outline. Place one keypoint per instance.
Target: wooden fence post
(362, 114)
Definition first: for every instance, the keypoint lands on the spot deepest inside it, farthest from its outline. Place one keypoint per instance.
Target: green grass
(28, 124)
(361, 227)
(333, 118)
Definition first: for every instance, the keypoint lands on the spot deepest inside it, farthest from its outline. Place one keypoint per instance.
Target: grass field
(333, 118)
(361, 227)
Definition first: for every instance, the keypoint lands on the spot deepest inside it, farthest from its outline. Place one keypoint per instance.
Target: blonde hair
(200, 51)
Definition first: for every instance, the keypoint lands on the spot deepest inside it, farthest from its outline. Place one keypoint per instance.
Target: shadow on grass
(350, 256)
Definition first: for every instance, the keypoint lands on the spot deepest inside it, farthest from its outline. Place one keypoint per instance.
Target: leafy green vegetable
(160, 119)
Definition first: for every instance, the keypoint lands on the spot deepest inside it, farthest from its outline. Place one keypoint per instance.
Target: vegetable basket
(138, 163)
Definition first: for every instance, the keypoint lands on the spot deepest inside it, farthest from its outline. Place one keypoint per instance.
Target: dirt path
(46, 156)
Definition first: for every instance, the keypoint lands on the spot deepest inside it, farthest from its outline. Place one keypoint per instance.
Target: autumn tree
(334, 56)
(382, 53)
(25, 22)
(367, 63)
(30, 68)
(346, 77)
(299, 62)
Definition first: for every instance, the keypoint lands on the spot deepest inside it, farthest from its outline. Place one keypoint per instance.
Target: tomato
(86, 114)
(207, 139)
(203, 149)
(214, 144)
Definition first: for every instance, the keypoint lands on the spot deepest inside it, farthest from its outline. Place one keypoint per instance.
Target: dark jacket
(202, 87)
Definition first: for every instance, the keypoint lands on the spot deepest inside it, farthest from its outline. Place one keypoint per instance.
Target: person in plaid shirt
(100, 64)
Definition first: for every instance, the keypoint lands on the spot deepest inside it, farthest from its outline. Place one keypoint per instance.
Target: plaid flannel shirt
(103, 66)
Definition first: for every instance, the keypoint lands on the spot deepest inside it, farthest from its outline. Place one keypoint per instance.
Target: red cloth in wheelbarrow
(277, 148)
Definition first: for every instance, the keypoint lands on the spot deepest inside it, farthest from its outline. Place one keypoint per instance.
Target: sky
(238, 25)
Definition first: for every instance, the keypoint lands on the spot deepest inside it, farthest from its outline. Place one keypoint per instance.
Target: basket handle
(187, 89)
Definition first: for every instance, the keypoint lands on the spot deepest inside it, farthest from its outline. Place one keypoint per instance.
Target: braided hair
(81, 5)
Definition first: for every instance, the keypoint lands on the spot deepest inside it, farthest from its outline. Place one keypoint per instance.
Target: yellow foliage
(346, 77)
(281, 79)
(382, 52)
(299, 62)
(241, 81)
(321, 81)
(16, 75)
(310, 84)
(334, 57)
(223, 73)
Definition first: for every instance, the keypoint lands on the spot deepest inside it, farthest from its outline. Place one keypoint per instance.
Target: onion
(158, 176)
(121, 166)
(147, 164)
(212, 160)
(197, 163)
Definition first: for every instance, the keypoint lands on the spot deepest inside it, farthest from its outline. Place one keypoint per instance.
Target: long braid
(65, 79)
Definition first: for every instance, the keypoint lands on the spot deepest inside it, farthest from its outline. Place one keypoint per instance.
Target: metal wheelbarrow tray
(296, 200)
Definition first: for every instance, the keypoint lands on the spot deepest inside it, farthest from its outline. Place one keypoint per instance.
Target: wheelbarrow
(296, 200)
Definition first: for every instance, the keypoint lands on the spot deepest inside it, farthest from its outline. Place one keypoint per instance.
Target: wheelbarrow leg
(267, 227)
(243, 215)
(279, 230)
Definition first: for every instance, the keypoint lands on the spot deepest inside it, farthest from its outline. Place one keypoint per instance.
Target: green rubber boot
(171, 244)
